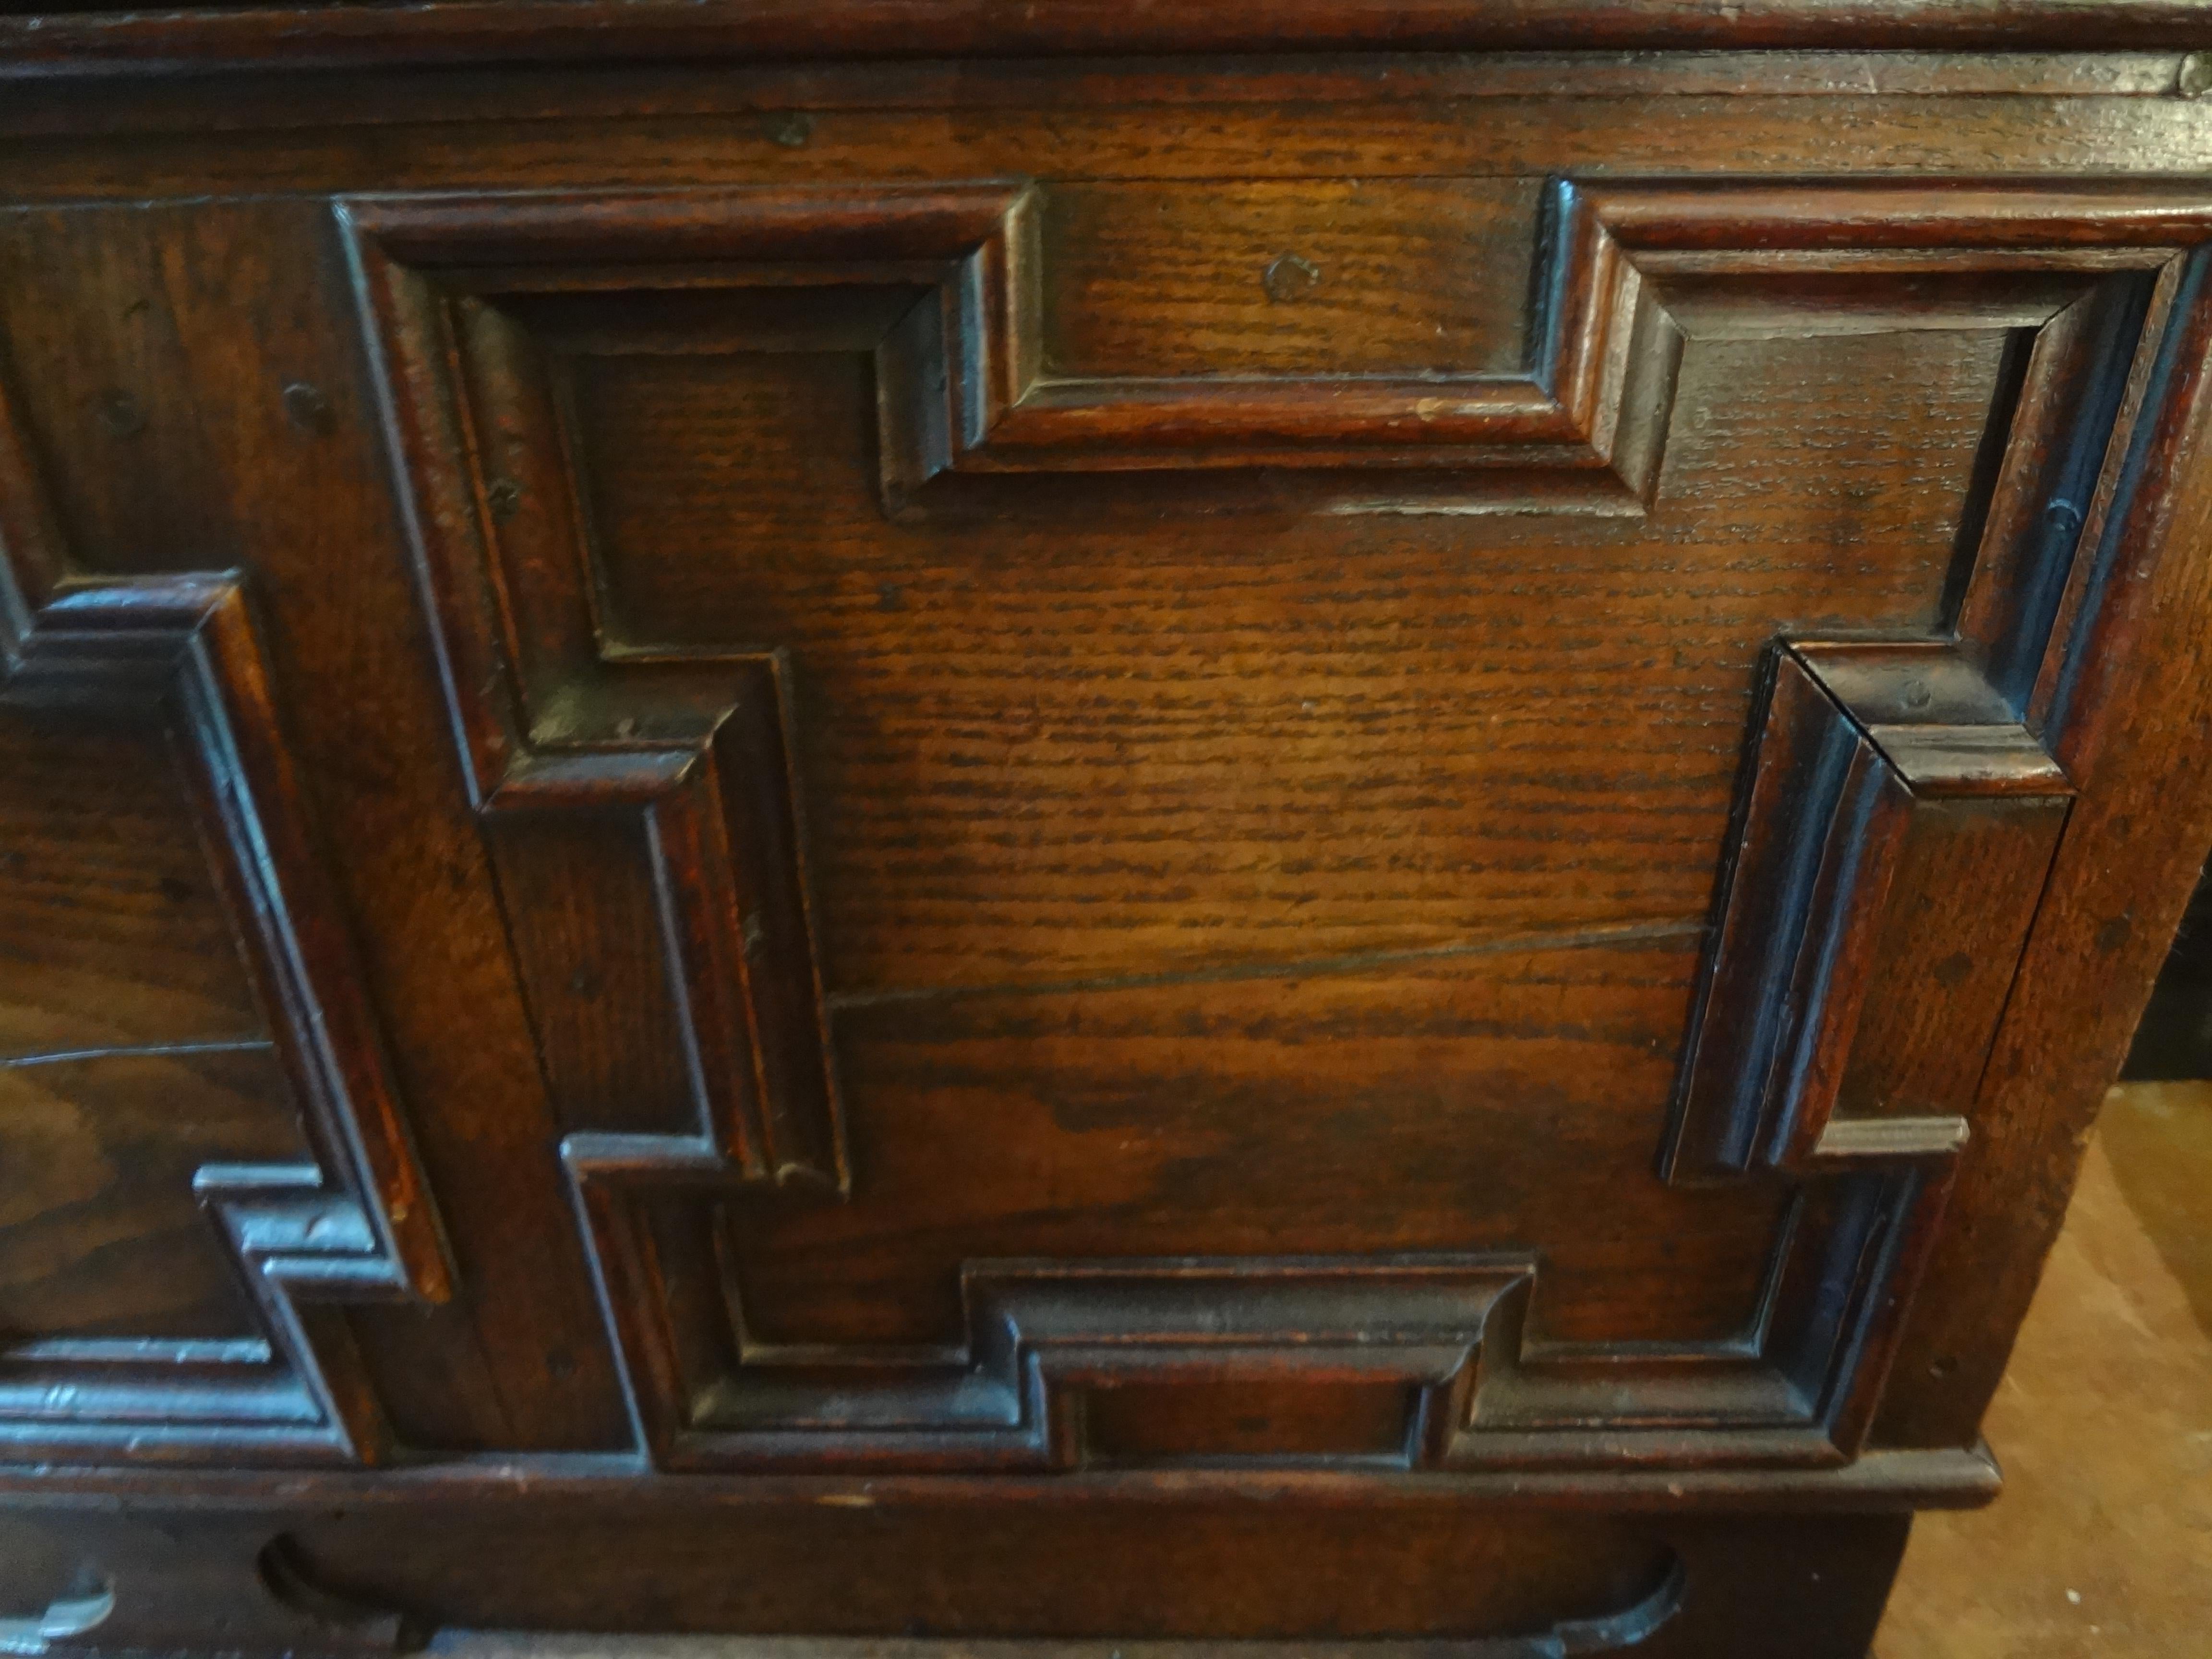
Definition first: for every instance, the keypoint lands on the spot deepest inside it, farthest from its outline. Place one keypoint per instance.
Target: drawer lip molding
(1882, 1479)
(519, 32)
(2100, 290)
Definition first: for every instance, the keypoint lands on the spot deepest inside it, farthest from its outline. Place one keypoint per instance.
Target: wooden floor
(2102, 1542)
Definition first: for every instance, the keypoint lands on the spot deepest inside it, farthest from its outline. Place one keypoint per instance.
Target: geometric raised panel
(1899, 805)
(343, 1216)
(1894, 840)
(965, 391)
(637, 804)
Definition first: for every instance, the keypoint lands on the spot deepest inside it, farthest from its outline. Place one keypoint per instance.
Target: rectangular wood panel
(112, 927)
(995, 712)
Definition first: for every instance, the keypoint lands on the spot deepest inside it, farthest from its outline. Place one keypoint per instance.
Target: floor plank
(2102, 1542)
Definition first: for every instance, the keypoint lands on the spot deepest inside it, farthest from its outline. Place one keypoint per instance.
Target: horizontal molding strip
(515, 32)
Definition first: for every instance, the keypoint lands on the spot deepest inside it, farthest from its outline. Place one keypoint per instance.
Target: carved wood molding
(514, 32)
(964, 388)
(1902, 798)
(356, 1222)
(666, 773)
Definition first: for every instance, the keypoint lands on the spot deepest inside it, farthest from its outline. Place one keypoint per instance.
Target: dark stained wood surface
(1049, 846)
(108, 1240)
(511, 499)
(113, 931)
(1391, 671)
(523, 30)
(298, 480)
(1430, 275)
(652, 137)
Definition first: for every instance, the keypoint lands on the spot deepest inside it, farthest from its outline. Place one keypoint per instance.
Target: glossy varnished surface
(1023, 801)
(115, 934)
(522, 30)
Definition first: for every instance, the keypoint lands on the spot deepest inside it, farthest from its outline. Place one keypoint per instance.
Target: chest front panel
(1213, 790)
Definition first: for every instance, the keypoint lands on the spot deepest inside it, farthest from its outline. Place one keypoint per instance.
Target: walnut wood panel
(1288, 277)
(100, 1234)
(260, 448)
(1066, 726)
(1497, 1088)
(1883, 770)
(340, 1216)
(965, 386)
(111, 928)
(1133, 124)
(1237, 921)
(515, 32)
(646, 834)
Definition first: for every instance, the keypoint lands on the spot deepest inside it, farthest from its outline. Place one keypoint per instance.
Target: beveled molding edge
(1624, 274)
(496, 32)
(964, 391)
(1879, 1480)
(356, 1222)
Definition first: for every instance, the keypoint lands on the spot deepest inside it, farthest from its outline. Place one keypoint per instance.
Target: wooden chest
(1160, 822)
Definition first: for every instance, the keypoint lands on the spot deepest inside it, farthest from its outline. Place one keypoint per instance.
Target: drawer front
(940, 793)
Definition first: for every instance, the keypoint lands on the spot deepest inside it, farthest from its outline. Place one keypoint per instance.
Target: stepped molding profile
(352, 1223)
(1855, 975)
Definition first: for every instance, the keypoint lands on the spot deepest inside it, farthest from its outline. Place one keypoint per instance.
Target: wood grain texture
(274, 382)
(1150, 280)
(1192, 1116)
(112, 930)
(100, 1236)
(517, 32)
(1391, 670)
(566, 394)
(1197, 1113)
(685, 764)
(349, 1219)
(966, 386)
(657, 140)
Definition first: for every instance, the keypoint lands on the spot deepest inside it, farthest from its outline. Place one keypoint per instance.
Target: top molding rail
(517, 32)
